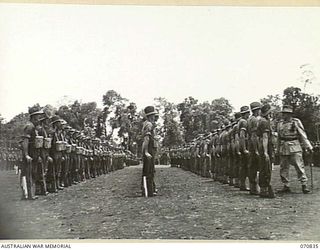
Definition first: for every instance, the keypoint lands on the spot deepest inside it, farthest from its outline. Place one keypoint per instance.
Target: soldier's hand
(50, 160)
(246, 152)
(257, 153)
(238, 153)
(266, 156)
(309, 150)
(29, 159)
(149, 156)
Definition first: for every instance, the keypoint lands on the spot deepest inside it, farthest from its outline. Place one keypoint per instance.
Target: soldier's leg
(42, 173)
(236, 171)
(226, 170)
(284, 169)
(266, 190)
(297, 161)
(231, 170)
(30, 179)
(213, 166)
(252, 173)
(243, 172)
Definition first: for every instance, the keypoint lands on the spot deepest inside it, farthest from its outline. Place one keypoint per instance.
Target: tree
(305, 107)
(198, 118)
(170, 129)
(114, 107)
(81, 116)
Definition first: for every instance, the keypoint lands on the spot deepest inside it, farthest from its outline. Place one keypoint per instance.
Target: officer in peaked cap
(292, 140)
(148, 151)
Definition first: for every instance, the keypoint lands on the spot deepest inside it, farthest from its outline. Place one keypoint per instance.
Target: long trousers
(295, 160)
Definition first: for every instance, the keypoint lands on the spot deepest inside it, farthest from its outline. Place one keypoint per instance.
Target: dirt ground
(187, 207)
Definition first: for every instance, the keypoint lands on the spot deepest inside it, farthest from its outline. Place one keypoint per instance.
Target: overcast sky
(81, 51)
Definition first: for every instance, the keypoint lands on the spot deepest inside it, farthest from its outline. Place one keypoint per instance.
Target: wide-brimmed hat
(55, 119)
(71, 131)
(149, 110)
(287, 109)
(237, 116)
(255, 105)
(265, 109)
(244, 109)
(35, 110)
(44, 117)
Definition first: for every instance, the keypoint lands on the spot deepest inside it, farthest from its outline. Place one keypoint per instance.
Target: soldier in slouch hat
(291, 142)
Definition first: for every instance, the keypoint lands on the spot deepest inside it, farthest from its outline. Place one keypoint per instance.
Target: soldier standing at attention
(43, 169)
(292, 139)
(264, 132)
(216, 141)
(57, 149)
(243, 139)
(30, 154)
(236, 158)
(148, 151)
(254, 159)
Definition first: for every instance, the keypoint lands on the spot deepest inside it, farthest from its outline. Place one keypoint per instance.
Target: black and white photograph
(169, 122)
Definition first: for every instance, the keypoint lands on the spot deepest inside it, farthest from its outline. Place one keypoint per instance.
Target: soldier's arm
(205, 149)
(243, 140)
(303, 136)
(254, 140)
(237, 143)
(278, 138)
(25, 142)
(265, 141)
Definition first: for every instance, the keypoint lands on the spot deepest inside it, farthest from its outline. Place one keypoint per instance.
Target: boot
(254, 189)
(305, 189)
(225, 180)
(285, 189)
(271, 192)
(236, 183)
(263, 192)
(231, 181)
(243, 186)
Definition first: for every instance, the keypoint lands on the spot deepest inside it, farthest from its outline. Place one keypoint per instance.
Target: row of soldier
(56, 156)
(244, 147)
(10, 158)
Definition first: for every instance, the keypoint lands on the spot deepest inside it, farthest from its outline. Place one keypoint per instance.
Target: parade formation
(243, 151)
(240, 153)
(55, 156)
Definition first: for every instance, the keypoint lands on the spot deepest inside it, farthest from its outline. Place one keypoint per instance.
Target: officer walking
(292, 139)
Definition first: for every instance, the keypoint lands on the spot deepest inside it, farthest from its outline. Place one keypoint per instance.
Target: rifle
(311, 165)
(145, 186)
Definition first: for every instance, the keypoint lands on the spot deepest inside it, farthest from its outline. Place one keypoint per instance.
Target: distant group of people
(246, 145)
(55, 155)
(10, 158)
